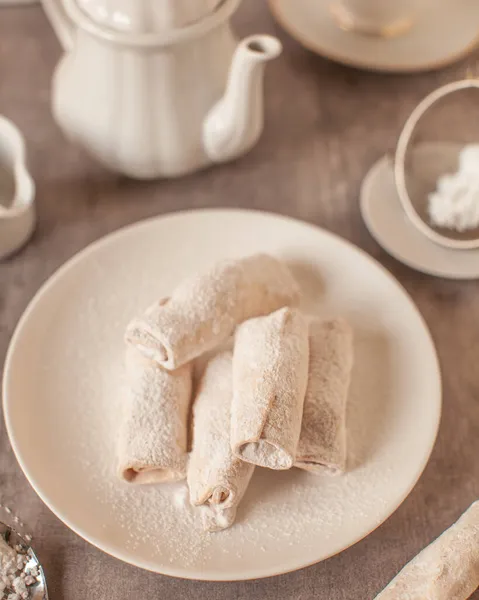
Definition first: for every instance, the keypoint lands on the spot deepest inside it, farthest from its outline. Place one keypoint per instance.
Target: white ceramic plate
(388, 224)
(63, 378)
(445, 32)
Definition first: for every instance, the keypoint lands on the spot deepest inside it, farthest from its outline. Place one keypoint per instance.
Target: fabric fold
(152, 445)
(217, 480)
(447, 569)
(322, 444)
(205, 309)
(270, 372)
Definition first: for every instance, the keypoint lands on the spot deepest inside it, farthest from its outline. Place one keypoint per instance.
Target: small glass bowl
(429, 147)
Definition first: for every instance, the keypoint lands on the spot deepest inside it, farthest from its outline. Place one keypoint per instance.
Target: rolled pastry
(152, 444)
(270, 373)
(322, 443)
(205, 309)
(448, 569)
(217, 480)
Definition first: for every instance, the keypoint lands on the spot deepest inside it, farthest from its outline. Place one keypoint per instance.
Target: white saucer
(440, 37)
(63, 376)
(390, 227)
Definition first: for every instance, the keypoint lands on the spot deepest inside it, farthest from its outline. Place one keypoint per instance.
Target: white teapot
(158, 88)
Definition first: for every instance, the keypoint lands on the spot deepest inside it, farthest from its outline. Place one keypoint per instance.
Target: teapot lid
(146, 16)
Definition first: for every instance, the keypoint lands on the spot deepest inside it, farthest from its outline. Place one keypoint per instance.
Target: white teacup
(385, 18)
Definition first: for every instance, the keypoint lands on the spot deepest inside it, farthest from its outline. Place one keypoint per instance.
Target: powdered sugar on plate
(292, 509)
(71, 346)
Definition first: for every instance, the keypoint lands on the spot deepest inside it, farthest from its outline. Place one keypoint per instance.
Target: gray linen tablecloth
(325, 126)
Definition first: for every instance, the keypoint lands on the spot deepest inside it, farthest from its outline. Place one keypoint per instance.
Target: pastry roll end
(216, 519)
(149, 341)
(311, 465)
(136, 472)
(218, 490)
(265, 453)
(218, 506)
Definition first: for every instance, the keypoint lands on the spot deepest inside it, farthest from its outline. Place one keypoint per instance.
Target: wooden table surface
(326, 125)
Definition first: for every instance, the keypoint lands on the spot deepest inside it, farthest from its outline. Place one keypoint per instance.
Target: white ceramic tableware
(443, 32)
(389, 225)
(70, 342)
(413, 193)
(158, 88)
(17, 191)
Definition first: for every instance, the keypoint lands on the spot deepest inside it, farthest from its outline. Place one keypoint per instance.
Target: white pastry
(448, 569)
(152, 443)
(270, 373)
(322, 443)
(217, 480)
(205, 309)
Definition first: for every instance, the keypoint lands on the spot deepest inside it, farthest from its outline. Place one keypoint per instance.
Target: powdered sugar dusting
(72, 351)
(292, 509)
(288, 510)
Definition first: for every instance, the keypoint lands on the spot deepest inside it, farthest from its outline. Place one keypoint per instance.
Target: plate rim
(189, 573)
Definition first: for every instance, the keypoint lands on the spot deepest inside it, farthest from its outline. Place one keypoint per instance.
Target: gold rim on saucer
(346, 21)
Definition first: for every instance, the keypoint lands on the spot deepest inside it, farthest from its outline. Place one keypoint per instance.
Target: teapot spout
(235, 123)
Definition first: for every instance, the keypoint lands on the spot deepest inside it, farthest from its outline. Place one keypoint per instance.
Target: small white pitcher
(17, 191)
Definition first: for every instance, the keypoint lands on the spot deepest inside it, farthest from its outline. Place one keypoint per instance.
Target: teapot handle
(62, 25)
